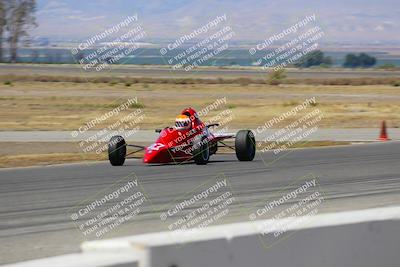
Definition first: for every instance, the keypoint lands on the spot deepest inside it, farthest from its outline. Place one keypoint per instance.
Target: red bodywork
(176, 145)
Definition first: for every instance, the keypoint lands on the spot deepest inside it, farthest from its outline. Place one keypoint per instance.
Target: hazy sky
(366, 21)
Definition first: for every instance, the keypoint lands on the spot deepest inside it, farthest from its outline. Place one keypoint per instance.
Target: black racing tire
(245, 145)
(117, 150)
(201, 150)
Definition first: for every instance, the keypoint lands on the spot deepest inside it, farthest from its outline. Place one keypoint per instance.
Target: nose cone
(149, 156)
(156, 154)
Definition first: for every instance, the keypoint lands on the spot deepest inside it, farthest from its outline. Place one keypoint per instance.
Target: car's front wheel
(245, 145)
(201, 150)
(117, 150)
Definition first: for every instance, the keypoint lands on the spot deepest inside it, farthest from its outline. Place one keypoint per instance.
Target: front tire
(117, 150)
(201, 150)
(245, 145)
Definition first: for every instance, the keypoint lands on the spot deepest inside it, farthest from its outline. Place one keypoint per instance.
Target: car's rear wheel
(117, 150)
(201, 150)
(245, 145)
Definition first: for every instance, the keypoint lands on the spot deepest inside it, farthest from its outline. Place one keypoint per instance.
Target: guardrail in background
(364, 238)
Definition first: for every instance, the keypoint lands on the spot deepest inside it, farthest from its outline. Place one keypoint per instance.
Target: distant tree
(366, 60)
(351, 61)
(19, 20)
(362, 60)
(2, 26)
(315, 58)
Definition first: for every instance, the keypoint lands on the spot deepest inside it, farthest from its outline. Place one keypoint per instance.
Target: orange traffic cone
(383, 136)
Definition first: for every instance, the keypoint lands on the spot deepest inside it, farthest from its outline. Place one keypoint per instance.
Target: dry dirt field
(67, 105)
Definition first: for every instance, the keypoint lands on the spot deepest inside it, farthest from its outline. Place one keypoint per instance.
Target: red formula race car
(189, 139)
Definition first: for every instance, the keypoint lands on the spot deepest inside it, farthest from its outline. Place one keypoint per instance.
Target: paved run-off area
(352, 135)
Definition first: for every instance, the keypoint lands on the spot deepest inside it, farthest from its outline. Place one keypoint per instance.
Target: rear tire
(201, 150)
(245, 145)
(117, 150)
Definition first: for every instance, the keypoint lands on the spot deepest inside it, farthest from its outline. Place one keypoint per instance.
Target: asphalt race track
(35, 202)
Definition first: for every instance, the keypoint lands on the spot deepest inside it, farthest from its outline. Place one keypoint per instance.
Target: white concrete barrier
(87, 259)
(365, 238)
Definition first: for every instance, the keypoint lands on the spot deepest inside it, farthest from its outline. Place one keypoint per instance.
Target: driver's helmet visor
(182, 122)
